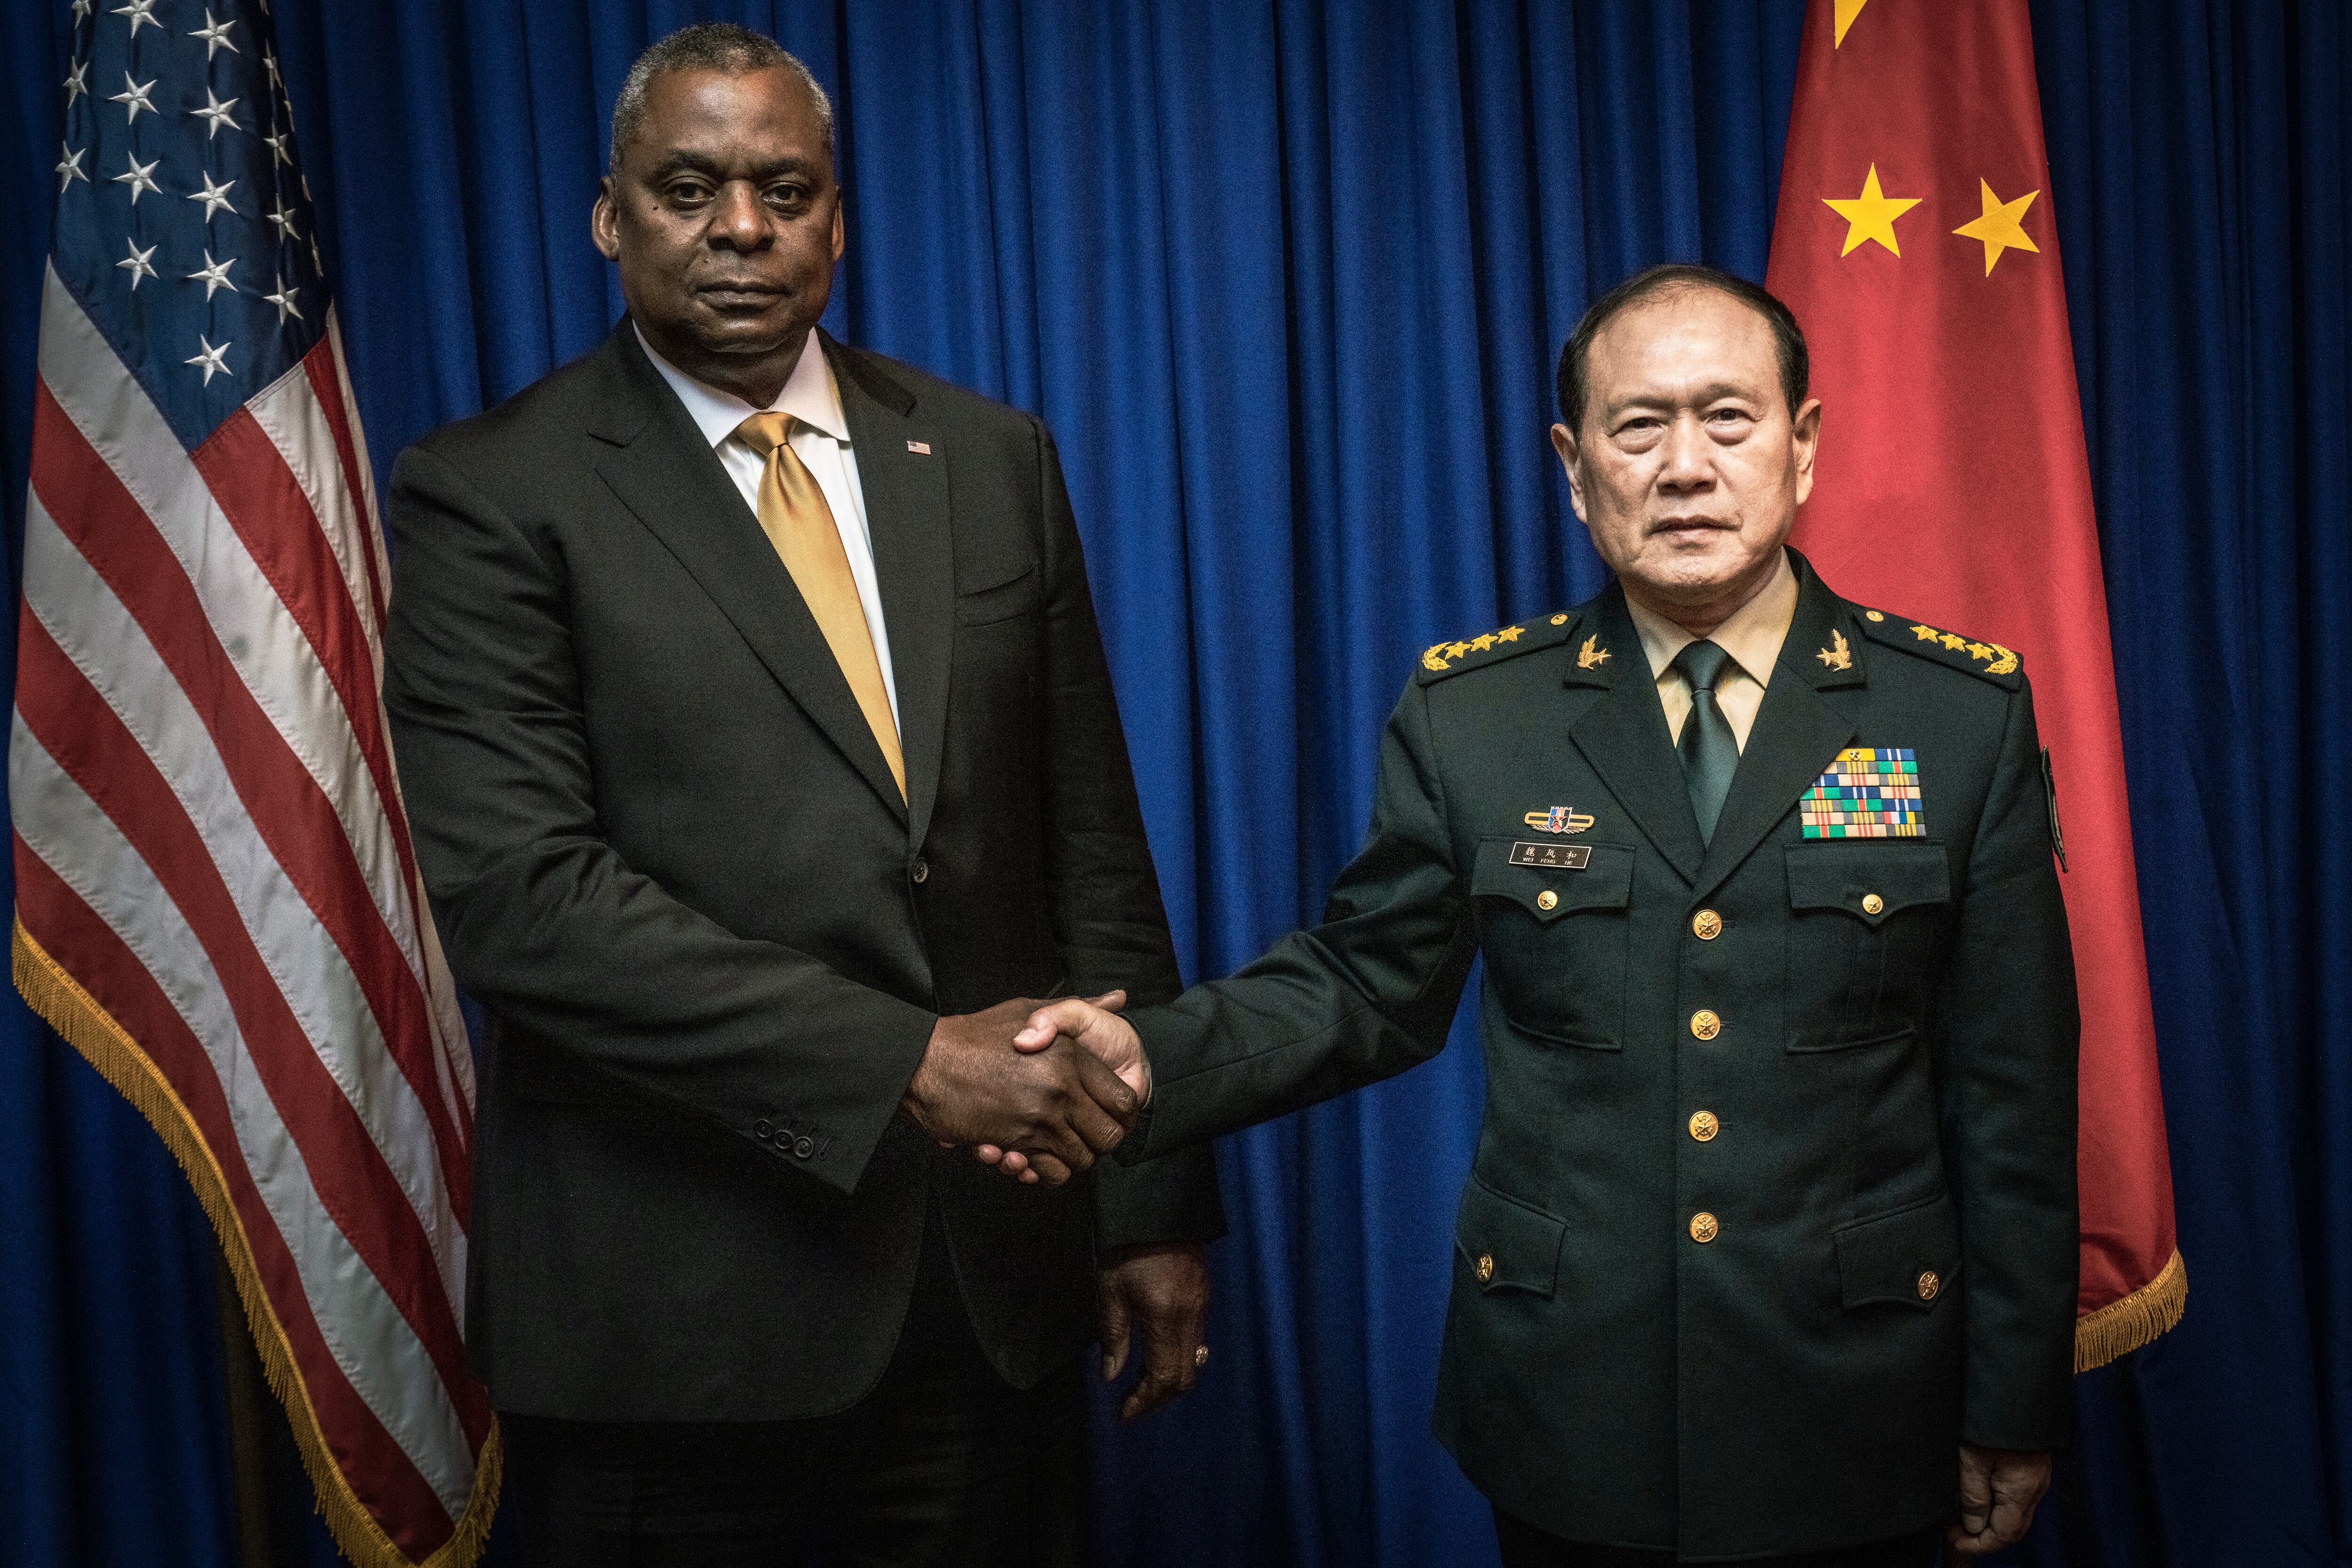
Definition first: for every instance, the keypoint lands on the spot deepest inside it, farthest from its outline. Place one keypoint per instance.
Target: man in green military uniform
(1773, 1211)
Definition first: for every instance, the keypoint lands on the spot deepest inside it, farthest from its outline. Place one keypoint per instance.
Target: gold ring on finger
(1200, 1356)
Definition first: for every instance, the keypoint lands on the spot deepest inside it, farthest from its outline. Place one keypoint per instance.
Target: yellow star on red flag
(1870, 216)
(1998, 228)
(1846, 11)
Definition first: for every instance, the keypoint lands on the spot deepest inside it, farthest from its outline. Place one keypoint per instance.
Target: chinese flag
(1915, 242)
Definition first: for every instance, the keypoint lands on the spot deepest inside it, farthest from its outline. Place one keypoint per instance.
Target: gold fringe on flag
(60, 1000)
(2125, 1325)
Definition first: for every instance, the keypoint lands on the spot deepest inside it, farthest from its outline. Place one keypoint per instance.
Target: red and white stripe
(210, 840)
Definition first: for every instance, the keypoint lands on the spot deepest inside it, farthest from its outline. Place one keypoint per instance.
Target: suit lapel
(662, 469)
(1811, 712)
(1624, 735)
(907, 515)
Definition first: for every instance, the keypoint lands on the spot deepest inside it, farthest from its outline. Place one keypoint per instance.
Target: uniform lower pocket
(1907, 1259)
(1508, 1245)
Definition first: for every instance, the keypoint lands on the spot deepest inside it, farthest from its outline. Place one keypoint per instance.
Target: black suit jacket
(666, 857)
(1880, 1034)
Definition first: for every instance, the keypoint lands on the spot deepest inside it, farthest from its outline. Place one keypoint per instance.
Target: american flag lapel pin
(920, 448)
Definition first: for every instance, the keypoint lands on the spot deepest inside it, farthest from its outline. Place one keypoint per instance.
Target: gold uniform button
(1873, 614)
(1704, 1126)
(1872, 903)
(1707, 925)
(1703, 1228)
(1928, 1285)
(1706, 1025)
(1547, 900)
(1486, 1267)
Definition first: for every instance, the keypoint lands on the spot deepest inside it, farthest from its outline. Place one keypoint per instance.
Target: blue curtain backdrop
(1287, 279)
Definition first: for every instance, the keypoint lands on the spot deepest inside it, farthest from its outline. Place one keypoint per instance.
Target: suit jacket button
(1546, 900)
(921, 871)
(803, 1146)
(1704, 1126)
(1707, 925)
(1704, 1227)
(1706, 1025)
(762, 1128)
(1872, 903)
(1928, 1285)
(1486, 1267)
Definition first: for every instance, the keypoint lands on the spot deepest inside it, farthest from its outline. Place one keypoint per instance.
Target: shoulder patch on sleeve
(1993, 662)
(1442, 660)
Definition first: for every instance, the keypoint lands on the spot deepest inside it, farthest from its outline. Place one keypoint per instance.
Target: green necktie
(1709, 750)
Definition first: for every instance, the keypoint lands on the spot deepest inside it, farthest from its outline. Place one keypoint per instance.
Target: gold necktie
(795, 517)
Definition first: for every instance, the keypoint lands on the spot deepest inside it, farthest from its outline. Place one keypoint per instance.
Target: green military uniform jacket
(1774, 1201)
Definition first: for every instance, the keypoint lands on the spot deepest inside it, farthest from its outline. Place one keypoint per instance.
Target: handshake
(1037, 1089)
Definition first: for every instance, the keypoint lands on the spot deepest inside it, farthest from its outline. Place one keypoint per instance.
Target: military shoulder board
(1442, 660)
(1995, 663)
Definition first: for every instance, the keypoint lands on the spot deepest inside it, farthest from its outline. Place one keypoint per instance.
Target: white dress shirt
(1752, 637)
(821, 439)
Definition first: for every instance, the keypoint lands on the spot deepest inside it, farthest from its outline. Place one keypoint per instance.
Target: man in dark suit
(1773, 1210)
(755, 726)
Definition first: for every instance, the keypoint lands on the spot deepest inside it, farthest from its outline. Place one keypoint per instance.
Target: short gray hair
(714, 47)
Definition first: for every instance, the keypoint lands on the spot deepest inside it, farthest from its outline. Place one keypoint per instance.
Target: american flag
(217, 898)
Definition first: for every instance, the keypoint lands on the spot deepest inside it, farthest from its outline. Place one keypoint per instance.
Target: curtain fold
(2196, 161)
(1287, 277)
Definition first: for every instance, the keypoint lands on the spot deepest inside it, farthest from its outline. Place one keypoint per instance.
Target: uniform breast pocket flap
(1873, 879)
(1905, 1258)
(1000, 601)
(1508, 1245)
(1550, 879)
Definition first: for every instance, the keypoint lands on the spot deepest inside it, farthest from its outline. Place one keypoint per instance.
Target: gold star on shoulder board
(1953, 641)
(1979, 650)
(1925, 634)
(1838, 655)
(1510, 634)
(1483, 641)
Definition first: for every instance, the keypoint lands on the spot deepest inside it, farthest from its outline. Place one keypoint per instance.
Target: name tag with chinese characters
(1557, 857)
